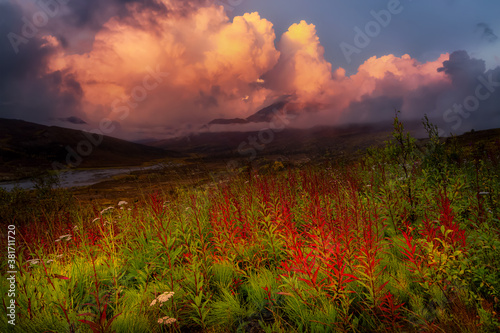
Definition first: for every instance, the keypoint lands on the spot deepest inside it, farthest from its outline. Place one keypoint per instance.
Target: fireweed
(319, 249)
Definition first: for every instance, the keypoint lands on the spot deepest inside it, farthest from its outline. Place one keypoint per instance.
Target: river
(75, 178)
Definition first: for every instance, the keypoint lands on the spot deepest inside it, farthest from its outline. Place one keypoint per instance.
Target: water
(76, 178)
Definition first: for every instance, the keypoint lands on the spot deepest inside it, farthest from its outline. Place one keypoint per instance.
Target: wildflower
(166, 320)
(121, 203)
(162, 298)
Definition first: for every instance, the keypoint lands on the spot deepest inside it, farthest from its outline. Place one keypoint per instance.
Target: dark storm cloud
(94, 13)
(27, 90)
(462, 69)
(74, 23)
(486, 32)
(23, 65)
(474, 101)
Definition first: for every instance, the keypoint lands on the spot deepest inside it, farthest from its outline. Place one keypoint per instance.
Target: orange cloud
(214, 65)
(406, 71)
(302, 69)
(222, 68)
(414, 85)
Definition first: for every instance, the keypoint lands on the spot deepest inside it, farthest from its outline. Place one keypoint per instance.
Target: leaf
(93, 326)
(103, 315)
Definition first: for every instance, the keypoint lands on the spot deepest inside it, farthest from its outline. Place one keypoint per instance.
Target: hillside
(25, 147)
(289, 141)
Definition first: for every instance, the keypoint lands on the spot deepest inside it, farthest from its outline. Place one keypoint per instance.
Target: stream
(75, 178)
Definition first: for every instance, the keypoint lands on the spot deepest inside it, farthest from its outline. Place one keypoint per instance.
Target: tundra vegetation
(406, 239)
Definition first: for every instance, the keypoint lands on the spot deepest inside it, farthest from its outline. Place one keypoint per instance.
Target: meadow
(405, 239)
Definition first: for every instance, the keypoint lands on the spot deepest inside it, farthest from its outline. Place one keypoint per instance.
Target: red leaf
(103, 315)
(93, 326)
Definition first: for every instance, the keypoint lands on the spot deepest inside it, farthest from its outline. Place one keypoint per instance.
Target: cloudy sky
(158, 68)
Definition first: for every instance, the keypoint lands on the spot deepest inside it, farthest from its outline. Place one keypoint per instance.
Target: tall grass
(406, 239)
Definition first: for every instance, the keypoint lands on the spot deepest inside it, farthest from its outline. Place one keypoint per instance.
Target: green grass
(403, 240)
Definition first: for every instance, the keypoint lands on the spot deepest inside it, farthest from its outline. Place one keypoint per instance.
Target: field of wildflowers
(405, 240)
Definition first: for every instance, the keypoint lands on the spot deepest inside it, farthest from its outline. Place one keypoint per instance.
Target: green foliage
(405, 240)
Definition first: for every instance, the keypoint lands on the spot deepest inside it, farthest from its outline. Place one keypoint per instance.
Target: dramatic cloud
(27, 89)
(302, 69)
(474, 101)
(164, 67)
(383, 85)
(177, 68)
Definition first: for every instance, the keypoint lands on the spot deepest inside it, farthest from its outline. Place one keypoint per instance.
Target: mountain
(26, 146)
(289, 141)
(264, 115)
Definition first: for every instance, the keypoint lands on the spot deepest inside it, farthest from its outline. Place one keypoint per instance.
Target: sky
(139, 69)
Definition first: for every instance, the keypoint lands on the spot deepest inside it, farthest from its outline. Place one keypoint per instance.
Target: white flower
(162, 298)
(121, 203)
(166, 320)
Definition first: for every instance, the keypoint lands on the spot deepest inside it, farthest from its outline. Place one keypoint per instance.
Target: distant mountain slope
(263, 115)
(289, 141)
(339, 141)
(28, 145)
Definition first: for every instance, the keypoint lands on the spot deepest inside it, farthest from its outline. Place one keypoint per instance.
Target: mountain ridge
(26, 146)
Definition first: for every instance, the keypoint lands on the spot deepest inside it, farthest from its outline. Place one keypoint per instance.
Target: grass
(405, 239)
